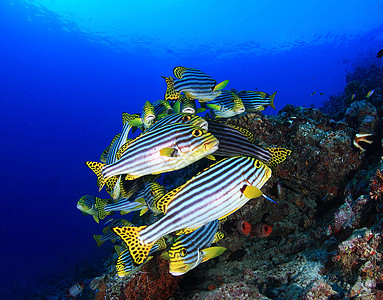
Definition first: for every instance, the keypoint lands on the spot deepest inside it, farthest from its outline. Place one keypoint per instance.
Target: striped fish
(194, 84)
(110, 153)
(213, 194)
(235, 141)
(125, 265)
(189, 250)
(87, 205)
(168, 148)
(256, 101)
(226, 105)
(123, 205)
(162, 108)
(179, 118)
(109, 234)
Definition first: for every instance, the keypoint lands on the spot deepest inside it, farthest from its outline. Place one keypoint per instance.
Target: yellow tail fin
(100, 204)
(130, 235)
(96, 167)
(272, 100)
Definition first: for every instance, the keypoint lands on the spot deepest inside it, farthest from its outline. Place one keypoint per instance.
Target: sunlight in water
(253, 26)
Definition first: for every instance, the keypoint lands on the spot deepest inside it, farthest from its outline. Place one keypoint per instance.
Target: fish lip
(204, 125)
(241, 110)
(150, 117)
(214, 146)
(189, 111)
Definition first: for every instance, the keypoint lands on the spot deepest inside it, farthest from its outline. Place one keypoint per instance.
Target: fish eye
(257, 164)
(186, 118)
(197, 132)
(183, 252)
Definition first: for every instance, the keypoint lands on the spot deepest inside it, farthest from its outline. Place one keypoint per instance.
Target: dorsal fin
(262, 94)
(219, 235)
(278, 155)
(128, 117)
(179, 72)
(123, 148)
(104, 154)
(171, 93)
(163, 203)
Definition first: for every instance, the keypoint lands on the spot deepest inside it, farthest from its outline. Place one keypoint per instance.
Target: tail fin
(272, 100)
(278, 155)
(171, 93)
(98, 240)
(138, 249)
(96, 167)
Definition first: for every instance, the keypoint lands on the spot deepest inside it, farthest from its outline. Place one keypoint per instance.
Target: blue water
(68, 69)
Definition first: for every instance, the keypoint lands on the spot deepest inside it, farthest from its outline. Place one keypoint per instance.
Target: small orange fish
(261, 230)
(244, 227)
(75, 290)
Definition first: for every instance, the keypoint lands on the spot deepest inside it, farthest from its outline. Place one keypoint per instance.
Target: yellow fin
(171, 93)
(262, 94)
(199, 110)
(143, 211)
(162, 203)
(221, 85)
(218, 236)
(136, 122)
(211, 157)
(165, 256)
(98, 240)
(179, 72)
(131, 177)
(96, 218)
(123, 148)
(100, 204)
(127, 117)
(161, 243)
(177, 107)
(186, 231)
(212, 252)
(251, 192)
(138, 249)
(272, 100)
(213, 106)
(278, 155)
(96, 167)
(118, 249)
(169, 152)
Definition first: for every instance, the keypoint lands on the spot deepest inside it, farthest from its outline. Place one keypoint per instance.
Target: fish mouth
(189, 111)
(204, 125)
(241, 110)
(211, 145)
(149, 117)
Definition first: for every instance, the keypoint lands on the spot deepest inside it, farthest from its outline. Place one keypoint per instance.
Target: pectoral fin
(213, 106)
(169, 152)
(251, 192)
(136, 122)
(211, 157)
(212, 252)
(221, 85)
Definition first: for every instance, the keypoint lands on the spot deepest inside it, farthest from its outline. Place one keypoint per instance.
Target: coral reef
(327, 222)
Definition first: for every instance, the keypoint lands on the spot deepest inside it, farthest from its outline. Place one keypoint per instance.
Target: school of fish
(173, 136)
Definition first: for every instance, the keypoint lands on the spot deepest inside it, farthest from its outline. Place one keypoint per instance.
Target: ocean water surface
(70, 68)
